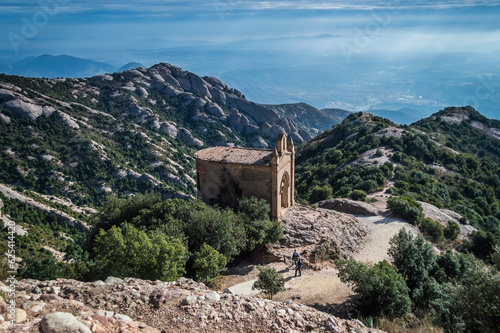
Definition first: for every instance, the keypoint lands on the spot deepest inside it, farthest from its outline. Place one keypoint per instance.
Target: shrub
(383, 290)
(207, 264)
(474, 304)
(259, 229)
(128, 252)
(413, 257)
(453, 265)
(46, 269)
(481, 243)
(406, 208)
(358, 195)
(218, 228)
(269, 281)
(433, 229)
(452, 230)
(319, 193)
(495, 257)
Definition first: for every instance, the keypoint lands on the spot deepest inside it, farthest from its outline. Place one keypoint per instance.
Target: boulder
(27, 110)
(67, 120)
(349, 207)
(20, 316)
(214, 110)
(62, 322)
(112, 280)
(237, 120)
(4, 118)
(313, 231)
(170, 128)
(7, 95)
(213, 296)
(188, 138)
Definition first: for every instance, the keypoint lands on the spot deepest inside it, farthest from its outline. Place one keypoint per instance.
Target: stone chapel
(226, 174)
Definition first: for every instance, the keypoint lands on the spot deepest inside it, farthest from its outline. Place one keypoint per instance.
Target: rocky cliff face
(133, 305)
(208, 98)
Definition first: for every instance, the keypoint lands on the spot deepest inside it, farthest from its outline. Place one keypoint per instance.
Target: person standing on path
(295, 257)
(298, 267)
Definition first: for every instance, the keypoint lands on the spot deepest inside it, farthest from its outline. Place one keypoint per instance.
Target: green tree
(259, 229)
(269, 281)
(452, 230)
(383, 290)
(319, 193)
(495, 257)
(129, 252)
(474, 304)
(358, 195)
(413, 257)
(207, 264)
(481, 243)
(431, 228)
(453, 265)
(218, 228)
(46, 269)
(406, 208)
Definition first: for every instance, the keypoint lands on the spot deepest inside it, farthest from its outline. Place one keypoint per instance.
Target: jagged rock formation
(133, 305)
(146, 122)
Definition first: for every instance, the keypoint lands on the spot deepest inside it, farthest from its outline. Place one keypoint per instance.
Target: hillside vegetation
(69, 145)
(450, 160)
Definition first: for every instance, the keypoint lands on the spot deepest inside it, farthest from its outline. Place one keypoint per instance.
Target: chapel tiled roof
(248, 156)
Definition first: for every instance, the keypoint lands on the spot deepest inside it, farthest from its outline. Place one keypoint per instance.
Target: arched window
(285, 190)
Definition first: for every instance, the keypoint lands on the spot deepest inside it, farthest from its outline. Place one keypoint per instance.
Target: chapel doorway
(285, 191)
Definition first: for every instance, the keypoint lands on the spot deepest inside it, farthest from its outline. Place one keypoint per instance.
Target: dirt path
(322, 288)
(380, 231)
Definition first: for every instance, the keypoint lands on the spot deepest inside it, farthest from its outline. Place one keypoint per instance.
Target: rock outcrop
(442, 216)
(317, 233)
(134, 305)
(349, 207)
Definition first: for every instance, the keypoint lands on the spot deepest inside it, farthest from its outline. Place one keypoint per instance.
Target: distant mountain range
(401, 88)
(50, 66)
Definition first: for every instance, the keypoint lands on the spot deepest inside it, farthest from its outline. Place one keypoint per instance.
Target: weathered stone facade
(225, 174)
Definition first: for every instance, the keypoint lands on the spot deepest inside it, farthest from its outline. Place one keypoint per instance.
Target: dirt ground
(322, 289)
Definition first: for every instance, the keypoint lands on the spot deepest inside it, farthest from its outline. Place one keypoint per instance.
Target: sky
(97, 29)
(439, 51)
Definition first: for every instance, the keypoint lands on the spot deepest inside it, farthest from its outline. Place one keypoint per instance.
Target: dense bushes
(146, 237)
(432, 229)
(406, 208)
(383, 290)
(413, 258)
(128, 252)
(319, 193)
(452, 230)
(213, 235)
(455, 291)
(207, 264)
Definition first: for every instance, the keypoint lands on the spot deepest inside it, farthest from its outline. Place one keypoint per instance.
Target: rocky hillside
(134, 305)
(309, 118)
(449, 160)
(127, 132)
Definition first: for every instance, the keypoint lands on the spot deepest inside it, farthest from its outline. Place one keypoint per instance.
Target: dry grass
(409, 325)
